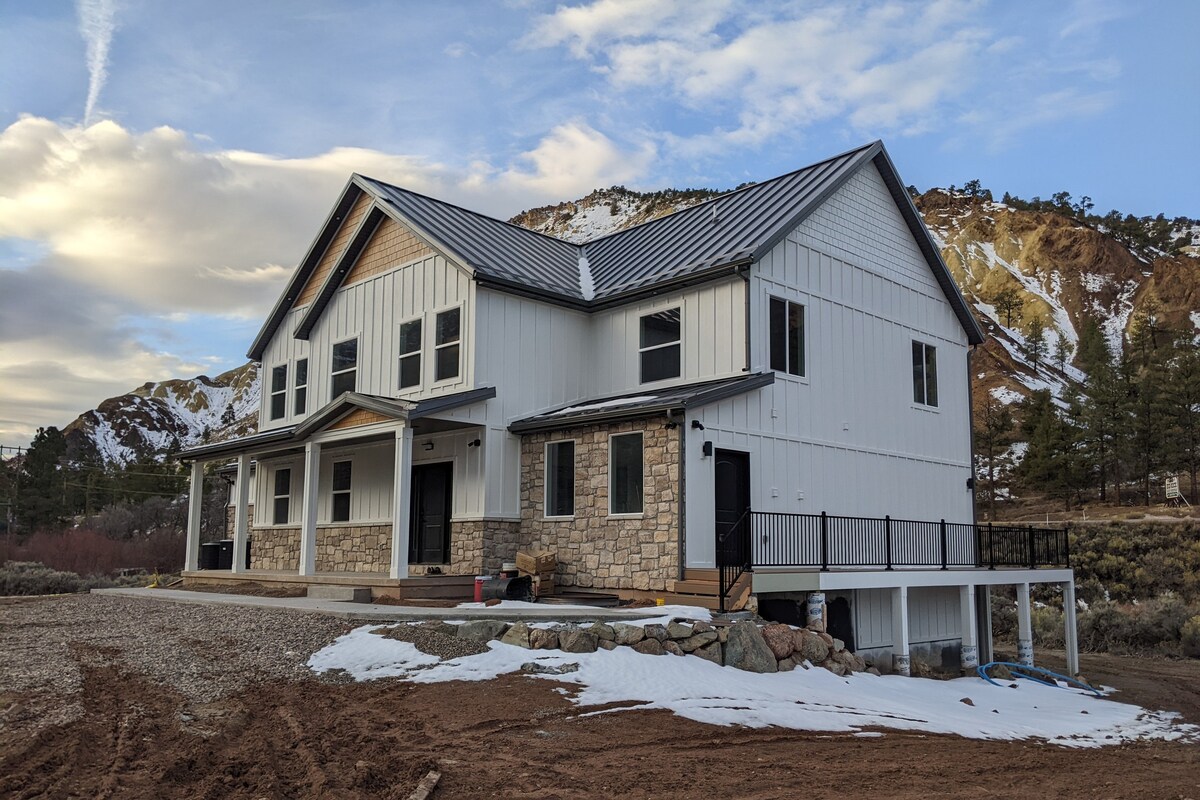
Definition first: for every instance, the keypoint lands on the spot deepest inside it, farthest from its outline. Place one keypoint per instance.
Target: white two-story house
(750, 394)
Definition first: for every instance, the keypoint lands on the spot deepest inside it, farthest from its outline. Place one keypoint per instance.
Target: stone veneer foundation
(481, 546)
(275, 548)
(354, 548)
(596, 550)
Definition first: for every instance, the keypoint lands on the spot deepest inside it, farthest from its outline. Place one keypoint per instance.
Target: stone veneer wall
(231, 512)
(275, 548)
(481, 546)
(354, 548)
(594, 549)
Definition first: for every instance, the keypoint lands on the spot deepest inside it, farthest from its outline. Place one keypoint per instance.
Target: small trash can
(480, 580)
(210, 555)
(509, 589)
(226, 554)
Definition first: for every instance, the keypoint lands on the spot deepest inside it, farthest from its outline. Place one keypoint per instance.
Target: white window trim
(357, 360)
(434, 346)
(678, 304)
(271, 393)
(802, 378)
(419, 353)
(275, 497)
(634, 514)
(546, 481)
(933, 409)
(297, 386)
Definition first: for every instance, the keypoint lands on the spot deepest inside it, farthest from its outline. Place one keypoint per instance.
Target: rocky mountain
(157, 418)
(1013, 261)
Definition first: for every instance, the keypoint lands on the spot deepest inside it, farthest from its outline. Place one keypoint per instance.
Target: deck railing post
(991, 547)
(943, 544)
(978, 545)
(824, 542)
(887, 538)
(1032, 551)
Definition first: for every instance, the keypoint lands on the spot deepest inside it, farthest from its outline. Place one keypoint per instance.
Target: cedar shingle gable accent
(333, 253)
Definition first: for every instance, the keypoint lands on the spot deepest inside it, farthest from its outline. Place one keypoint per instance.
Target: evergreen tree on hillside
(1148, 421)
(1053, 458)
(993, 436)
(1035, 341)
(1008, 301)
(1104, 403)
(1181, 403)
(40, 502)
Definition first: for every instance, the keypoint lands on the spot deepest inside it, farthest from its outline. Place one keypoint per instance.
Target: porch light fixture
(474, 443)
(428, 445)
(697, 425)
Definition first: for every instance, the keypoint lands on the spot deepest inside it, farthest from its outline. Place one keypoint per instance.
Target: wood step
(692, 574)
(697, 587)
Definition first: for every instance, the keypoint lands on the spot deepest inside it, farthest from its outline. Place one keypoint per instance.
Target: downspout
(971, 437)
(745, 273)
(682, 555)
(983, 593)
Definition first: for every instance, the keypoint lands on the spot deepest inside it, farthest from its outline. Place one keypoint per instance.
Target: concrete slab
(342, 594)
(374, 613)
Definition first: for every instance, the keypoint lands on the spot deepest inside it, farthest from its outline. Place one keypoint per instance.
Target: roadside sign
(1173, 488)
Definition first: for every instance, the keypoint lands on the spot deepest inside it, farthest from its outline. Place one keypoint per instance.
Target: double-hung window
(924, 364)
(410, 354)
(447, 332)
(300, 394)
(282, 496)
(659, 347)
(344, 376)
(278, 391)
(625, 474)
(787, 336)
(560, 479)
(340, 506)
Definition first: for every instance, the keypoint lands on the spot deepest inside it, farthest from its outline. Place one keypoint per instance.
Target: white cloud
(572, 159)
(96, 25)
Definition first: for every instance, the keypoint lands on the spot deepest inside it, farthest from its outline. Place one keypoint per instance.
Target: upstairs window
(787, 337)
(278, 391)
(340, 508)
(924, 362)
(300, 396)
(446, 345)
(659, 346)
(410, 354)
(282, 496)
(560, 479)
(625, 474)
(345, 367)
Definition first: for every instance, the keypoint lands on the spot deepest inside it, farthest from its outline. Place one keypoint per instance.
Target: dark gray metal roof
(642, 404)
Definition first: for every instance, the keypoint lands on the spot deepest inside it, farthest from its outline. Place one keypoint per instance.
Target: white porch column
(308, 508)
(1024, 626)
(401, 484)
(815, 611)
(241, 512)
(900, 660)
(191, 558)
(1071, 634)
(970, 635)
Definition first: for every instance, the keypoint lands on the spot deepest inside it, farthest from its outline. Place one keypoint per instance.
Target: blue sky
(164, 165)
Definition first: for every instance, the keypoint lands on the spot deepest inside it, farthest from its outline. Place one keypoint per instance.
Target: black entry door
(429, 537)
(732, 494)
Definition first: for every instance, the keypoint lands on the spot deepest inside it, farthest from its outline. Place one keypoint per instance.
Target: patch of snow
(1094, 283)
(1006, 396)
(804, 699)
(621, 401)
(587, 286)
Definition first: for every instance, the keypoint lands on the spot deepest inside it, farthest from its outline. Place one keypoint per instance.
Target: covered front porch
(369, 491)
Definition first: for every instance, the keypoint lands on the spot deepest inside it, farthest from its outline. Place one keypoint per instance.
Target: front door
(732, 493)
(429, 537)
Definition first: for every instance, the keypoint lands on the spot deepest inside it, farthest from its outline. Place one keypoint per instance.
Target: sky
(164, 166)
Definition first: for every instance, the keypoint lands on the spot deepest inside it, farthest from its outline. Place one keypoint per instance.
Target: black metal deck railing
(822, 541)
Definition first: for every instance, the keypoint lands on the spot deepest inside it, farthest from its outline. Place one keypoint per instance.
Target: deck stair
(701, 587)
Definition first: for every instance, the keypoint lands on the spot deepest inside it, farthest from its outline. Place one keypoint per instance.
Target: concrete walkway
(508, 611)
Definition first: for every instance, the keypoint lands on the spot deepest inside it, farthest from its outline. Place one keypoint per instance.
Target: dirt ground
(520, 737)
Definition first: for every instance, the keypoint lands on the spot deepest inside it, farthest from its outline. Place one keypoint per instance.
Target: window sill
(790, 377)
(568, 518)
(927, 409)
(639, 515)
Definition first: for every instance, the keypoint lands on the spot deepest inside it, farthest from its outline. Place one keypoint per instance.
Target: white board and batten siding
(846, 438)
(372, 310)
(933, 616)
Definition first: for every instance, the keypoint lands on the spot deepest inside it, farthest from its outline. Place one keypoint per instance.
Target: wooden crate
(535, 563)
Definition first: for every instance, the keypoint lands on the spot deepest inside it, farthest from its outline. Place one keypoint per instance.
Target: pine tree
(1062, 351)
(1146, 407)
(1007, 301)
(1181, 401)
(41, 502)
(1035, 341)
(993, 436)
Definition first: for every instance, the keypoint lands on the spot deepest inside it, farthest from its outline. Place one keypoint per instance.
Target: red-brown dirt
(518, 737)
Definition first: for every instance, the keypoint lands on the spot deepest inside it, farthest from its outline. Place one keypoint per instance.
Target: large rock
(655, 631)
(543, 639)
(627, 634)
(710, 652)
(573, 639)
(747, 650)
(482, 630)
(650, 647)
(672, 647)
(698, 640)
(838, 645)
(606, 644)
(809, 646)
(517, 635)
(677, 630)
(701, 627)
(602, 631)
(780, 639)
(787, 665)
(834, 667)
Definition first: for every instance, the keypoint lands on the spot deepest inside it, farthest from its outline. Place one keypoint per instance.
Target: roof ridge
(727, 194)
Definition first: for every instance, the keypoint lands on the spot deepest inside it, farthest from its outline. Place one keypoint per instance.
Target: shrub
(30, 577)
(1190, 637)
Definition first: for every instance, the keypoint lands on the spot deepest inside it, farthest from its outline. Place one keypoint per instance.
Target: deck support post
(241, 513)
(401, 488)
(1024, 626)
(814, 616)
(900, 656)
(970, 631)
(1071, 632)
(308, 509)
(191, 559)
